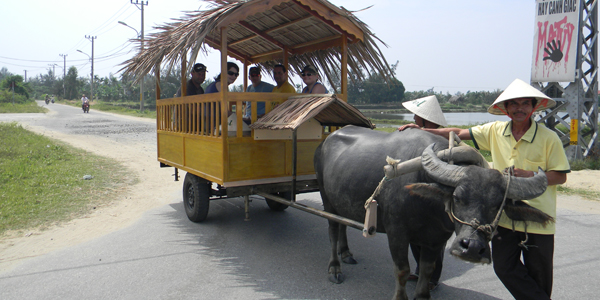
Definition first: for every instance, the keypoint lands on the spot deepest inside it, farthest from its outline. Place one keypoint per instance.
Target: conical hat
(427, 108)
(520, 89)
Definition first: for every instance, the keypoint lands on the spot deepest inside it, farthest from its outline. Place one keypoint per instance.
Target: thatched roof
(258, 31)
(326, 109)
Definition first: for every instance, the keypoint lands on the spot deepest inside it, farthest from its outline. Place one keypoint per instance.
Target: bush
(6, 96)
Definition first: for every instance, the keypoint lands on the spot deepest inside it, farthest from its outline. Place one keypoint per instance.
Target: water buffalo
(422, 207)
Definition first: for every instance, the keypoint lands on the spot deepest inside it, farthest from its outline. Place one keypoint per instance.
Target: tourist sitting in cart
(310, 76)
(281, 78)
(194, 84)
(233, 71)
(257, 86)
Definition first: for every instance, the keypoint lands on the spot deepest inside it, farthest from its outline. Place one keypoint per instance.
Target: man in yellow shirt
(281, 78)
(526, 145)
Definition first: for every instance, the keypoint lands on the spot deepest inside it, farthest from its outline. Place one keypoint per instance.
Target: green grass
(590, 195)
(31, 107)
(42, 180)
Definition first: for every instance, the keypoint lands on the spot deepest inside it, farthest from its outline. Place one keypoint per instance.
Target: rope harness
(490, 229)
(487, 229)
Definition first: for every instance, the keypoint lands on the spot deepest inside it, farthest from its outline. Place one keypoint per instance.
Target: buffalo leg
(335, 269)
(399, 251)
(342, 246)
(427, 262)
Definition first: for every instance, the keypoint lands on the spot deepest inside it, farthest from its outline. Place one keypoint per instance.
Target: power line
(110, 20)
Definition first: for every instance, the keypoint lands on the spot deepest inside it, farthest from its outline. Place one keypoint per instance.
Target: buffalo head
(473, 196)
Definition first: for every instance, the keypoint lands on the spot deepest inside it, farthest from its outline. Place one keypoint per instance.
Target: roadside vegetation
(42, 180)
(29, 107)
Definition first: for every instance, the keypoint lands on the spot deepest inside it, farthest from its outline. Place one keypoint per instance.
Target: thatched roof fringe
(188, 34)
(326, 109)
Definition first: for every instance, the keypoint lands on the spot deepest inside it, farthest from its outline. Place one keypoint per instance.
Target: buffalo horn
(439, 170)
(461, 154)
(521, 188)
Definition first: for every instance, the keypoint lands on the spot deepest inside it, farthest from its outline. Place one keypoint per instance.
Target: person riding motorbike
(84, 101)
(47, 99)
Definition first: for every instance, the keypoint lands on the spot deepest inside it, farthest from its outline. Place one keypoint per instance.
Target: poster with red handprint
(555, 41)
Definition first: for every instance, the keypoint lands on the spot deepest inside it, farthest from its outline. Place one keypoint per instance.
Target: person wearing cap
(281, 78)
(428, 114)
(257, 86)
(310, 76)
(194, 85)
(526, 145)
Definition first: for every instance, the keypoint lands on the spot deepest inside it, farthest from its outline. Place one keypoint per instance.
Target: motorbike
(47, 100)
(86, 107)
(52, 100)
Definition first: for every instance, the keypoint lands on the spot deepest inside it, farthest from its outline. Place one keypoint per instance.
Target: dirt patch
(584, 179)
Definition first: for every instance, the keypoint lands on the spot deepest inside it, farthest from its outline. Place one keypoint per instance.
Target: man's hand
(411, 125)
(522, 173)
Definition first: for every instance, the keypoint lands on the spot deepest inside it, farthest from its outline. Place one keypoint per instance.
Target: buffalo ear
(430, 190)
(521, 211)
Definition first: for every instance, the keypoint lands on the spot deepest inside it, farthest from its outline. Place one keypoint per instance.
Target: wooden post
(285, 59)
(157, 80)
(224, 86)
(344, 69)
(224, 104)
(183, 74)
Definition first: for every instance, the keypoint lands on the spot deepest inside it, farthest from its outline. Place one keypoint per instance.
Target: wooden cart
(274, 158)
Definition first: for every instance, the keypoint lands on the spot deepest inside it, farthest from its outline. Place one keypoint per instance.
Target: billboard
(555, 41)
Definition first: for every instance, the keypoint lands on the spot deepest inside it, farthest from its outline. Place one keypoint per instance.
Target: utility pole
(92, 38)
(53, 70)
(141, 7)
(64, 56)
(25, 75)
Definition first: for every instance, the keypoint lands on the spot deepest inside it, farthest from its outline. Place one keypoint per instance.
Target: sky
(450, 46)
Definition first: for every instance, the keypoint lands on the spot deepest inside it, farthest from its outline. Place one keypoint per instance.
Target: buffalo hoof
(349, 260)
(336, 278)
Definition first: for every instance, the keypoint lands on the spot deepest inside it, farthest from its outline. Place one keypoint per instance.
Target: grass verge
(42, 180)
(590, 195)
(32, 107)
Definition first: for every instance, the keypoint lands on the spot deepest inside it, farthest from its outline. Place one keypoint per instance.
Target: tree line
(372, 91)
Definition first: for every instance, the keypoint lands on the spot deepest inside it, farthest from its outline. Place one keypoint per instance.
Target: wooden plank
(262, 34)
(250, 9)
(170, 147)
(255, 160)
(202, 156)
(331, 18)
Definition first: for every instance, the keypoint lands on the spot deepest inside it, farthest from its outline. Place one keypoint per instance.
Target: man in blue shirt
(257, 86)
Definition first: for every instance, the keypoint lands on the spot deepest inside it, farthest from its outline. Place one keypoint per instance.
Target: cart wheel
(196, 193)
(276, 206)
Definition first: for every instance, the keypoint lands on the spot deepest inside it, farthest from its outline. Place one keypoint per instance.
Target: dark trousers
(530, 278)
(437, 273)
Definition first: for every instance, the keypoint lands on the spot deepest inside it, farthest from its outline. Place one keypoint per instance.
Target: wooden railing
(201, 114)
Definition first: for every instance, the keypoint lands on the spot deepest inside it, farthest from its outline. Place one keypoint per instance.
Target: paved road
(272, 256)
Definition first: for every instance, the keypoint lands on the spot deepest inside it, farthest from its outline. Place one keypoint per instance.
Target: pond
(459, 118)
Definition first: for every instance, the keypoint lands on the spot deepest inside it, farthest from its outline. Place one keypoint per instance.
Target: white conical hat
(520, 89)
(427, 108)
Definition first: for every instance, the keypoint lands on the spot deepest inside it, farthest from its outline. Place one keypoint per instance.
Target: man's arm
(554, 177)
(463, 134)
